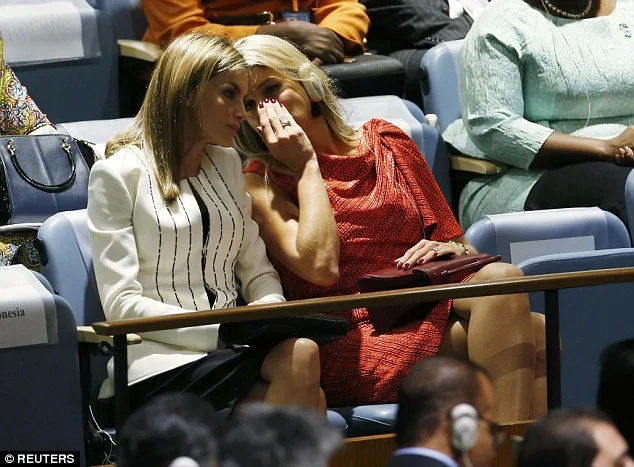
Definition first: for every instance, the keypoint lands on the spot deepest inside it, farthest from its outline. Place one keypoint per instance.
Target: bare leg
(500, 338)
(539, 405)
(291, 376)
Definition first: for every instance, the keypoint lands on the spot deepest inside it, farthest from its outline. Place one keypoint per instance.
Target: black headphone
(464, 427)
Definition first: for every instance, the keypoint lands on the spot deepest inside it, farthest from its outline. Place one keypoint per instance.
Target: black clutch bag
(321, 328)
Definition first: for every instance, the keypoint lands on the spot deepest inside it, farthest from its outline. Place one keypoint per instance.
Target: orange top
(168, 19)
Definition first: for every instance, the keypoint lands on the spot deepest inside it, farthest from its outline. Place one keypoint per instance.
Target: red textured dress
(379, 198)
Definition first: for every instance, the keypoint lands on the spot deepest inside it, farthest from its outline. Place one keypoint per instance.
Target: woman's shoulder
(508, 21)
(125, 162)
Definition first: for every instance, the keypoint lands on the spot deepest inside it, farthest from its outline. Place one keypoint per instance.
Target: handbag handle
(49, 188)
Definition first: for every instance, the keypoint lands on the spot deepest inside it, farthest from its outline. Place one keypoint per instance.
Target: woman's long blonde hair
(172, 101)
(284, 58)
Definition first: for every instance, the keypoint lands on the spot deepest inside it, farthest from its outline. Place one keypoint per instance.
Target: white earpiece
(312, 83)
(184, 462)
(464, 427)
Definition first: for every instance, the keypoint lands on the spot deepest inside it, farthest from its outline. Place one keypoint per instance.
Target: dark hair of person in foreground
(168, 427)
(262, 435)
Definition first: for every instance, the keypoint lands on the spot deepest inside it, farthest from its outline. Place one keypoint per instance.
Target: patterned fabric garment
(18, 113)
(379, 197)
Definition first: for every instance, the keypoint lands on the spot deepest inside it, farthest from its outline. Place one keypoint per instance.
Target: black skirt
(222, 378)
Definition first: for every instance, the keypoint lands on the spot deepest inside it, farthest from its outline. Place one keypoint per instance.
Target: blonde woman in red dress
(333, 203)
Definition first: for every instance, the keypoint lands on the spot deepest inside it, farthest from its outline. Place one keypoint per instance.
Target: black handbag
(321, 328)
(42, 175)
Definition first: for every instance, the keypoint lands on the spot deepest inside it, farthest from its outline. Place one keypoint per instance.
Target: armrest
(140, 50)
(476, 166)
(88, 335)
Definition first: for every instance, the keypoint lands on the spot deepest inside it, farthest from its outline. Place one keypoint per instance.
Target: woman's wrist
(461, 247)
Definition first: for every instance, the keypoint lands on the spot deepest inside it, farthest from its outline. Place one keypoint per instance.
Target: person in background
(334, 204)
(445, 416)
(574, 438)
(261, 435)
(171, 232)
(325, 30)
(407, 29)
(19, 115)
(616, 386)
(544, 90)
(167, 430)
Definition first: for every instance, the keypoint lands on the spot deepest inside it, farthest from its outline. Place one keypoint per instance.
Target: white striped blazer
(147, 254)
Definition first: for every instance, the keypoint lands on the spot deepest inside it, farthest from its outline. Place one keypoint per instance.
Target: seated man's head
(446, 405)
(574, 438)
(616, 385)
(170, 430)
(261, 435)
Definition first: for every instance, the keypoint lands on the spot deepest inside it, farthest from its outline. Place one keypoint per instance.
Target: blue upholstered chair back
(520, 236)
(67, 263)
(74, 90)
(441, 82)
(407, 116)
(629, 199)
(40, 398)
(568, 240)
(127, 15)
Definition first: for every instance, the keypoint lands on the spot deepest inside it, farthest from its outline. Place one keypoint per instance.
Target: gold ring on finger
(435, 250)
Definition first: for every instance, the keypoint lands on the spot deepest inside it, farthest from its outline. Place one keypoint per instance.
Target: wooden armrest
(140, 50)
(88, 335)
(477, 166)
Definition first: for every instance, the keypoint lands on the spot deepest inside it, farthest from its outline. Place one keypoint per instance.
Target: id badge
(302, 14)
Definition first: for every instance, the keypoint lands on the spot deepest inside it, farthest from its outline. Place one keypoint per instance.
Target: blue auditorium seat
(127, 15)
(629, 199)
(407, 116)
(77, 89)
(569, 240)
(40, 399)
(440, 82)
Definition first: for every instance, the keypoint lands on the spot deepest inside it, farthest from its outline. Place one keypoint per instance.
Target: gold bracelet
(461, 245)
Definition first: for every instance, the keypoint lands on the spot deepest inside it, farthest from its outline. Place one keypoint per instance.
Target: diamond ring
(285, 122)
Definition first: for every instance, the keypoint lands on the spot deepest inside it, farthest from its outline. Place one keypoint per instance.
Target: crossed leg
(503, 336)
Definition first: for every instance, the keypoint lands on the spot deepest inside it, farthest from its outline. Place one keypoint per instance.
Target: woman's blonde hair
(284, 58)
(171, 101)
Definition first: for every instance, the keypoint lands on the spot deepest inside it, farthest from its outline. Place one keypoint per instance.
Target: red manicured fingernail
(266, 100)
(406, 265)
(399, 265)
(261, 104)
(273, 100)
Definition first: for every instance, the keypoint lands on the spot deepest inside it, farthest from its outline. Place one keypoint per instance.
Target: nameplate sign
(23, 319)
(521, 251)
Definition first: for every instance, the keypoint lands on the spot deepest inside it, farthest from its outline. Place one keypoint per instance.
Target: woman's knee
(498, 271)
(293, 358)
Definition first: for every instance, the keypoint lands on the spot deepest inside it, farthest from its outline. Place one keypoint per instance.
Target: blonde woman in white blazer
(171, 232)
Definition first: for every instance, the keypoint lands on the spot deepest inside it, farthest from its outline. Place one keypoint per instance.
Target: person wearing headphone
(444, 416)
(333, 203)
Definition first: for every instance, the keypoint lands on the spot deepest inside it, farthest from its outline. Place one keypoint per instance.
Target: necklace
(565, 14)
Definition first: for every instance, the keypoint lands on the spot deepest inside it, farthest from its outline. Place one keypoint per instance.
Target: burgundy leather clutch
(442, 271)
